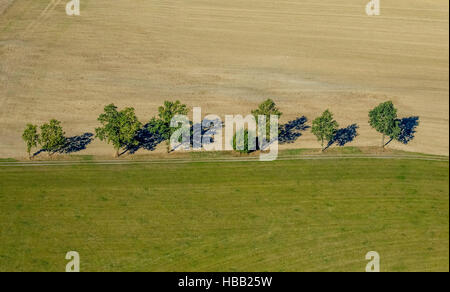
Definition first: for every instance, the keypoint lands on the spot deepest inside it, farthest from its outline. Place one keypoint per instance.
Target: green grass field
(318, 215)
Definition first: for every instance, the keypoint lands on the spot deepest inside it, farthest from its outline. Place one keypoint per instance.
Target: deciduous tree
(383, 118)
(52, 136)
(324, 128)
(31, 138)
(118, 127)
(267, 108)
(160, 126)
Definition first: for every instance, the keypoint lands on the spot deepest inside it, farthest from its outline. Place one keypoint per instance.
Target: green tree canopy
(383, 118)
(325, 127)
(52, 136)
(171, 109)
(267, 108)
(160, 126)
(118, 127)
(31, 138)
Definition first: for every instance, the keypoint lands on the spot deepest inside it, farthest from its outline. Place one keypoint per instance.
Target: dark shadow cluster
(408, 129)
(345, 135)
(208, 129)
(146, 140)
(292, 130)
(76, 143)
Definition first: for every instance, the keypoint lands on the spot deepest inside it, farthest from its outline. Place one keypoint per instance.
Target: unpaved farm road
(250, 159)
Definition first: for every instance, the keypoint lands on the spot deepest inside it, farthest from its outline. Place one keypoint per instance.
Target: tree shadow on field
(344, 136)
(292, 130)
(208, 129)
(146, 140)
(149, 141)
(408, 128)
(76, 143)
(72, 144)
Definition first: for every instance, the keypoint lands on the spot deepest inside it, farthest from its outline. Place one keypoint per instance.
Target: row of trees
(118, 127)
(383, 118)
(121, 127)
(51, 137)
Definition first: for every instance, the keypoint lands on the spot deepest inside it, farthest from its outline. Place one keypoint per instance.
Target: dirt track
(222, 160)
(225, 56)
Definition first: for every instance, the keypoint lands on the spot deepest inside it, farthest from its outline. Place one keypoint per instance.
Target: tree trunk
(322, 146)
(387, 143)
(382, 141)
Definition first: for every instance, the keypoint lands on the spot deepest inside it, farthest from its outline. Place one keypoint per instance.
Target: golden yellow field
(225, 56)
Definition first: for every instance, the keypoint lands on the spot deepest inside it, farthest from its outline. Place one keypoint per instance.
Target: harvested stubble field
(225, 56)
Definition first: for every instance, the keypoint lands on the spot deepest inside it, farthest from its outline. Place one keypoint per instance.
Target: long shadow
(149, 141)
(289, 133)
(344, 136)
(292, 130)
(208, 129)
(146, 140)
(72, 144)
(76, 143)
(408, 128)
